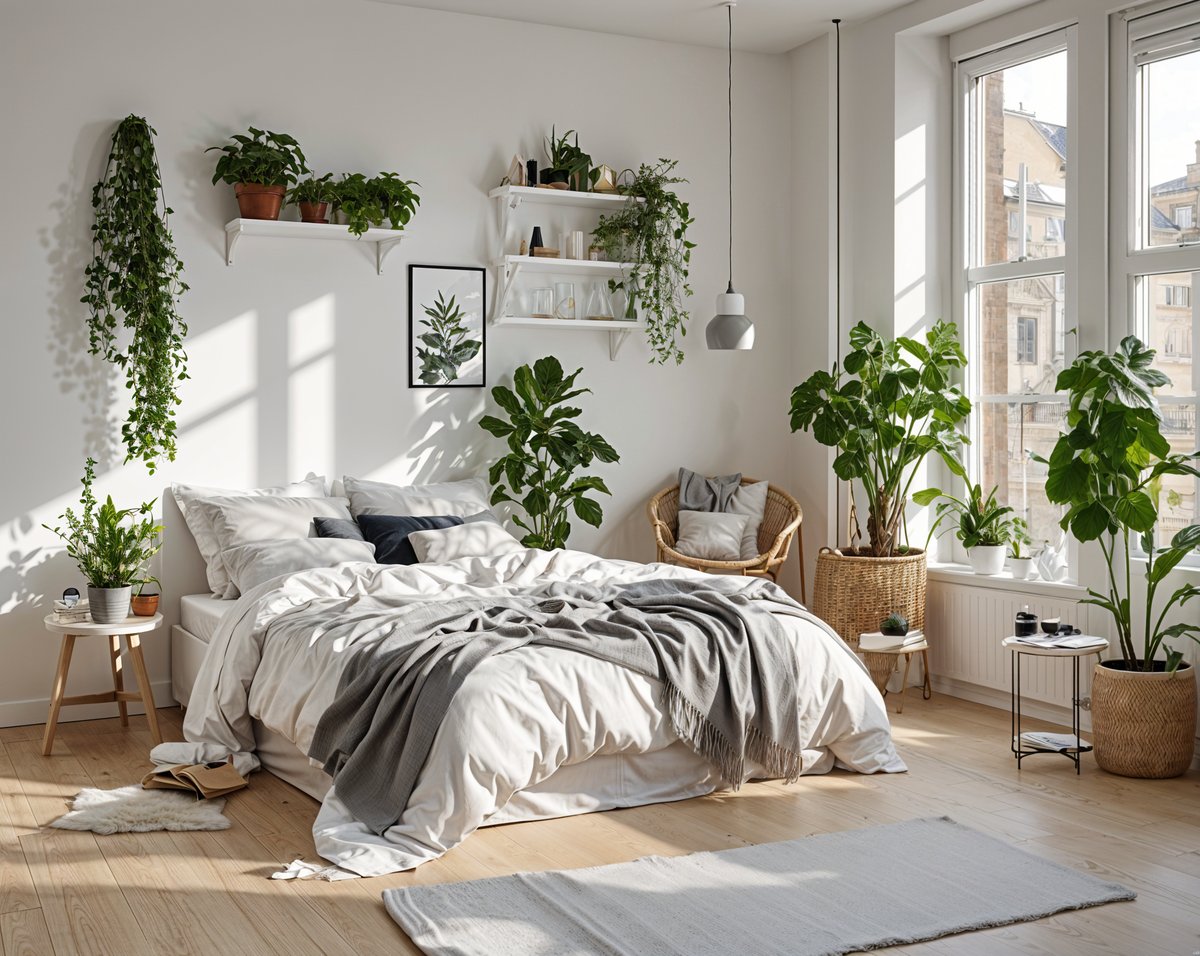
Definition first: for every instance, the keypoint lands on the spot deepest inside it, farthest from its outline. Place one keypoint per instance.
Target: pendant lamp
(729, 328)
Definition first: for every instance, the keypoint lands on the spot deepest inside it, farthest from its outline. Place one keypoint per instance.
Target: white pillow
(251, 564)
(750, 500)
(460, 498)
(711, 535)
(186, 496)
(246, 520)
(479, 539)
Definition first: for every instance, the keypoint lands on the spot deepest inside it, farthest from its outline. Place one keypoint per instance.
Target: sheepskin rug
(132, 809)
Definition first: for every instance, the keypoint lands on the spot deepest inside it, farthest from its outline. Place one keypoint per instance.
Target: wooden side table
(131, 629)
(1019, 650)
(883, 663)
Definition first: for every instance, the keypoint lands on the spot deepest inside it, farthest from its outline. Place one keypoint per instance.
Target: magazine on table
(1059, 743)
(1072, 641)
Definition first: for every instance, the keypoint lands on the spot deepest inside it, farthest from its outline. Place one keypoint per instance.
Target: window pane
(1007, 434)
(1167, 321)
(1021, 335)
(1171, 126)
(1023, 138)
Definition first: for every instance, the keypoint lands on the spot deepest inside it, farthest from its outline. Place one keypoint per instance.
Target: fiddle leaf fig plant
(448, 343)
(650, 234)
(546, 449)
(134, 281)
(885, 415)
(1106, 470)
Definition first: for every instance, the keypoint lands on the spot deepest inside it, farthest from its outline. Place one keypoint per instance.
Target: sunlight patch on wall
(910, 228)
(312, 405)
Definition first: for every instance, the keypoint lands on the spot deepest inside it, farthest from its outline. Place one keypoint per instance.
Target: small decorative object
(564, 300)
(260, 167)
(1026, 623)
(524, 248)
(543, 303)
(531, 172)
(894, 625)
(516, 172)
(535, 240)
(598, 307)
(70, 597)
(566, 246)
(446, 305)
(577, 244)
(1050, 625)
(596, 253)
(314, 197)
(545, 252)
(1051, 562)
(604, 179)
(110, 546)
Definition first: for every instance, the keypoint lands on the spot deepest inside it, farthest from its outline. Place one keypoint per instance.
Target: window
(1015, 135)
(1183, 216)
(1179, 295)
(1027, 340)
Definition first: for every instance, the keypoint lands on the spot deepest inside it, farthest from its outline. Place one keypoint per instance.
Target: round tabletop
(1013, 644)
(131, 625)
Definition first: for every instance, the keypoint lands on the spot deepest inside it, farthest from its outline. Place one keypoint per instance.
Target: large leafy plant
(1108, 470)
(371, 202)
(263, 157)
(448, 342)
(885, 415)
(112, 546)
(135, 280)
(982, 522)
(650, 234)
(546, 450)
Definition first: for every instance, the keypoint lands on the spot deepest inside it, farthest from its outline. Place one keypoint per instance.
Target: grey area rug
(832, 893)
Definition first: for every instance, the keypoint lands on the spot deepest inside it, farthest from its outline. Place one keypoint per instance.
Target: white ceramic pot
(1022, 568)
(987, 558)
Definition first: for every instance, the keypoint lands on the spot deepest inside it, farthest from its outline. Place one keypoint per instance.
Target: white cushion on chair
(750, 500)
(711, 535)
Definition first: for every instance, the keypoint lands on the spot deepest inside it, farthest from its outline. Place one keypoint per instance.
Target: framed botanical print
(446, 309)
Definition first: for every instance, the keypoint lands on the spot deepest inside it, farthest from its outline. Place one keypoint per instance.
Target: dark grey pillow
(338, 528)
(389, 534)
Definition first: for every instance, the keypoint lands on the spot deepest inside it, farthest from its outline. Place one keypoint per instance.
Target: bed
(541, 732)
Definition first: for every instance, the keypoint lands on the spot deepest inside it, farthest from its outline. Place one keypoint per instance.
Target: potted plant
(885, 409)
(260, 167)
(136, 275)
(650, 236)
(111, 547)
(371, 202)
(143, 604)
(985, 527)
(894, 625)
(545, 451)
(569, 166)
(1106, 470)
(1020, 561)
(314, 196)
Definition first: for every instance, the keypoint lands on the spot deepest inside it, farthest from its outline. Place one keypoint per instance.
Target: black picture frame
(461, 286)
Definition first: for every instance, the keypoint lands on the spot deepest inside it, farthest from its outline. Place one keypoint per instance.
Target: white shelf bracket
(615, 341)
(382, 248)
(231, 239)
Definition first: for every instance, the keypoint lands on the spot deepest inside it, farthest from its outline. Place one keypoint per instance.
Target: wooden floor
(63, 892)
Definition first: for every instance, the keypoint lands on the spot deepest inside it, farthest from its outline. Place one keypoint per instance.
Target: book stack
(75, 613)
(878, 641)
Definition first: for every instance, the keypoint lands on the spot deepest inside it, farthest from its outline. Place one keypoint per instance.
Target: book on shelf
(1072, 641)
(878, 641)
(204, 780)
(1056, 743)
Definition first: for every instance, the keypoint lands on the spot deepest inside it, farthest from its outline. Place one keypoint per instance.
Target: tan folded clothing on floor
(205, 780)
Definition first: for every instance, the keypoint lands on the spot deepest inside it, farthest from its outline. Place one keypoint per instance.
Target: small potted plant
(367, 202)
(397, 201)
(111, 547)
(314, 196)
(985, 527)
(1019, 558)
(569, 166)
(143, 604)
(260, 167)
(894, 625)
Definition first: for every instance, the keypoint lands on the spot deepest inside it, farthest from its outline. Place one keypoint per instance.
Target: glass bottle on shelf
(598, 306)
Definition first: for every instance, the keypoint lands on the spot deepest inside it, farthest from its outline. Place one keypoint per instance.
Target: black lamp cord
(729, 11)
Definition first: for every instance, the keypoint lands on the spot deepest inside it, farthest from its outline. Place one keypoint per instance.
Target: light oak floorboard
(207, 893)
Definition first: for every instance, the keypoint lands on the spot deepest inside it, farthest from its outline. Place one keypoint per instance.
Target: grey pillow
(751, 501)
(458, 498)
(711, 535)
(251, 564)
(346, 528)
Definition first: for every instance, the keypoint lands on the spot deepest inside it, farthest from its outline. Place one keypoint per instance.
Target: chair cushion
(711, 535)
(750, 500)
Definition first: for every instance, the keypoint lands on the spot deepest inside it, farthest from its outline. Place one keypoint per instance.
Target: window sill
(963, 575)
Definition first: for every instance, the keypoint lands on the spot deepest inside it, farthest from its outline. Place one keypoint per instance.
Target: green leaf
(1090, 522)
(588, 511)
(1136, 511)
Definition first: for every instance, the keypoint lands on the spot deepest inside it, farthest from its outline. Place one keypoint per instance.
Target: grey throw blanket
(697, 493)
(729, 669)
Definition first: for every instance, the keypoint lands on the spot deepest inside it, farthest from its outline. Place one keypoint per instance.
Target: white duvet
(535, 733)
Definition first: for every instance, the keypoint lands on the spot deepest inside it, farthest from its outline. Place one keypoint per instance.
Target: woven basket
(854, 593)
(1143, 725)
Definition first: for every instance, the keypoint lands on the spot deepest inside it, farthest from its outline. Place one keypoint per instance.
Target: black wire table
(1018, 650)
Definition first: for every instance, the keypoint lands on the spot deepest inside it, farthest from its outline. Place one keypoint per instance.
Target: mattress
(201, 613)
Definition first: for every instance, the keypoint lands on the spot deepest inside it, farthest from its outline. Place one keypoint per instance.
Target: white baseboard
(19, 713)
(1002, 700)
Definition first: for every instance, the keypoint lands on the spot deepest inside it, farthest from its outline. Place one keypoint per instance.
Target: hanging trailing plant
(651, 235)
(135, 281)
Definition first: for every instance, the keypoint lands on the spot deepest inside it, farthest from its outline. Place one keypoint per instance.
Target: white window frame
(968, 232)
(1145, 34)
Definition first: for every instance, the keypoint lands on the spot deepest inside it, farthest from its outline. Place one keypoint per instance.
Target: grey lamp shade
(729, 328)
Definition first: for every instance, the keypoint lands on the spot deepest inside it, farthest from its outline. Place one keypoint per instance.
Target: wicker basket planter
(1143, 724)
(853, 593)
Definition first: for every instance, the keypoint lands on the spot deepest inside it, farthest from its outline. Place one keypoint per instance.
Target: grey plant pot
(109, 605)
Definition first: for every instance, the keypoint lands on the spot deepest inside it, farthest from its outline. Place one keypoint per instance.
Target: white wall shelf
(618, 330)
(384, 240)
(513, 196)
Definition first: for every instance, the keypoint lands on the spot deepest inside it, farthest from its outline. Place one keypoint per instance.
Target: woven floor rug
(832, 893)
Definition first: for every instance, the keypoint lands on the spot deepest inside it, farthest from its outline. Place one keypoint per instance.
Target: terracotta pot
(313, 211)
(256, 201)
(1143, 724)
(145, 605)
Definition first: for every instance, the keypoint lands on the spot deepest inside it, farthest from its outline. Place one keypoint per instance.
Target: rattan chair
(781, 520)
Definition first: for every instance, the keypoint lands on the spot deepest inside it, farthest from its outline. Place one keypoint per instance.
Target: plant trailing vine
(135, 281)
(651, 235)
(448, 346)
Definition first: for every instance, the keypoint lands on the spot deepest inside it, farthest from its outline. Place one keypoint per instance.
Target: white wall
(297, 352)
